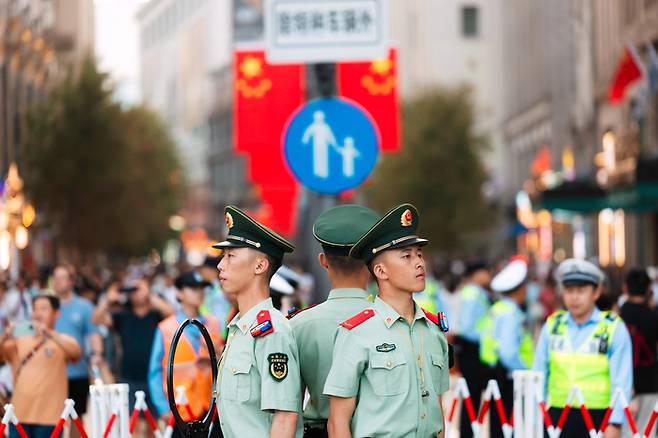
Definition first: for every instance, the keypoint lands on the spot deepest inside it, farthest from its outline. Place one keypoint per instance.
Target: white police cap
(576, 271)
(279, 284)
(511, 276)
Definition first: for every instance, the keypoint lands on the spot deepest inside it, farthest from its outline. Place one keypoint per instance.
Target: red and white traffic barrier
(181, 400)
(493, 392)
(651, 422)
(141, 406)
(556, 431)
(462, 393)
(10, 418)
(619, 397)
(69, 411)
(112, 420)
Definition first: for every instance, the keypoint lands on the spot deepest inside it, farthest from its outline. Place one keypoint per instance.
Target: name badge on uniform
(385, 348)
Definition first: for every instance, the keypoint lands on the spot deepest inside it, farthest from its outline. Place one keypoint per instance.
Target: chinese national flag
(265, 95)
(628, 71)
(373, 84)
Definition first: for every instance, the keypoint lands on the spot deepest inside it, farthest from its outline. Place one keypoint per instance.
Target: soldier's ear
(322, 259)
(262, 264)
(379, 271)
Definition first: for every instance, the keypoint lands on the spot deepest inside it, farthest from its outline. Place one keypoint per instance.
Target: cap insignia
(229, 220)
(407, 218)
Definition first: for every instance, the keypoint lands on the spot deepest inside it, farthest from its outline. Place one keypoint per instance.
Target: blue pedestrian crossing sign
(331, 145)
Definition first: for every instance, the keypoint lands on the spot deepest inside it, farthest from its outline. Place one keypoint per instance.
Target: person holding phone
(38, 355)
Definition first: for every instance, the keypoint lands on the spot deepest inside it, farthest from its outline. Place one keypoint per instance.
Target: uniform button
(233, 370)
(388, 319)
(388, 364)
(422, 417)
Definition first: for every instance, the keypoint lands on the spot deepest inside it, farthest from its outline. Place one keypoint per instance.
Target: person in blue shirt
(473, 307)
(586, 347)
(75, 319)
(505, 345)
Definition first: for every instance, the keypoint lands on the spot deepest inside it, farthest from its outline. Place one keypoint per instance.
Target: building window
(470, 21)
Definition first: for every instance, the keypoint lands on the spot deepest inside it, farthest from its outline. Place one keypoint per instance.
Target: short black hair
(637, 282)
(274, 265)
(52, 299)
(344, 265)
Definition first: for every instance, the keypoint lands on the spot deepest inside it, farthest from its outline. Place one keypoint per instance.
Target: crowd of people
(70, 327)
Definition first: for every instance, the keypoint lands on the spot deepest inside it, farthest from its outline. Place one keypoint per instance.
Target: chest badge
(278, 366)
(385, 348)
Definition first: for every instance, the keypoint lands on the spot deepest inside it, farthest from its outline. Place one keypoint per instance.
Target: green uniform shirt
(315, 331)
(257, 375)
(398, 372)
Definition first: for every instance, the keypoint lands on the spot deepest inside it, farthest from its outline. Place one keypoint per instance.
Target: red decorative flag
(373, 84)
(628, 71)
(265, 96)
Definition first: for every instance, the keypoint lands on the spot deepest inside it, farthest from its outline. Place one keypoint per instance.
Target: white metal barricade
(109, 410)
(528, 420)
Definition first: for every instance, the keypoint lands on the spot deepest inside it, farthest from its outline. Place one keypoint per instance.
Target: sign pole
(321, 82)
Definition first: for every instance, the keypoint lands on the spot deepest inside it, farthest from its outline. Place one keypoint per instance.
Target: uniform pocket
(388, 373)
(236, 382)
(438, 370)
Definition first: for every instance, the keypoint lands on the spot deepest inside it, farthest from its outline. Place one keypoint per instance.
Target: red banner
(264, 97)
(628, 71)
(373, 84)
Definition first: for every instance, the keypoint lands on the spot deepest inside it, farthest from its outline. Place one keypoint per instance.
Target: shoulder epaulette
(358, 319)
(263, 325)
(294, 311)
(439, 319)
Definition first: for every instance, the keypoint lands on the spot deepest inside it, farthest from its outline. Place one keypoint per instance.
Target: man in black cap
(337, 229)
(258, 386)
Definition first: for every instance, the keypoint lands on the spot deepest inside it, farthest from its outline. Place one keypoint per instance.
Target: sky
(117, 45)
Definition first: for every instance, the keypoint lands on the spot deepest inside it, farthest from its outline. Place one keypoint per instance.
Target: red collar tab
(264, 325)
(294, 311)
(358, 319)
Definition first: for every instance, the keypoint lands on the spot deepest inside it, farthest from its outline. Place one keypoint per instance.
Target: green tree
(104, 178)
(438, 169)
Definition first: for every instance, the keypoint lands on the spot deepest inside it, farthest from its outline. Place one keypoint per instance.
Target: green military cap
(244, 232)
(396, 229)
(338, 228)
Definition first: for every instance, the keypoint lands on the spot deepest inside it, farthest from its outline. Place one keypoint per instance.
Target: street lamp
(16, 216)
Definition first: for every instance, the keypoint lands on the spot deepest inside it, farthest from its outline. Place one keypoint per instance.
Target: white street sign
(325, 30)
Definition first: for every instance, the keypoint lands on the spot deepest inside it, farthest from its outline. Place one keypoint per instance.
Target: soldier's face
(236, 269)
(580, 299)
(403, 268)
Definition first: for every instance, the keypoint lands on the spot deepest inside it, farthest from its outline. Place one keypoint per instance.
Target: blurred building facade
(576, 160)
(184, 54)
(41, 41)
(456, 43)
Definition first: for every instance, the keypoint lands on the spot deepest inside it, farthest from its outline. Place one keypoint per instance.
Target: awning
(583, 196)
(641, 198)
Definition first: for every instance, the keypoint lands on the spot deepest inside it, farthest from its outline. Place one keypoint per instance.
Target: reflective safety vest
(194, 376)
(588, 367)
(490, 346)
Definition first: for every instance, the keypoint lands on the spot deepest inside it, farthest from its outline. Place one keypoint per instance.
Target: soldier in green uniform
(390, 361)
(258, 386)
(316, 327)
